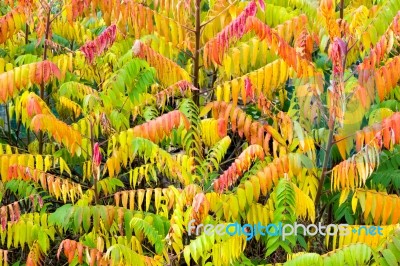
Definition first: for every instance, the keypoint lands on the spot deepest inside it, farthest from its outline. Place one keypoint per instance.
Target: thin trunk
(341, 8)
(42, 85)
(196, 67)
(46, 37)
(326, 159)
(8, 123)
(331, 142)
(19, 123)
(26, 33)
(96, 193)
(17, 133)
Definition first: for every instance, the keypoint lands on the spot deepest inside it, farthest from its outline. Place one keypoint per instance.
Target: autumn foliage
(130, 128)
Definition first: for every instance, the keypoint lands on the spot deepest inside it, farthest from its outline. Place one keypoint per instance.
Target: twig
(217, 16)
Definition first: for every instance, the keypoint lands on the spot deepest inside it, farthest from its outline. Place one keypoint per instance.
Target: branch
(341, 8)
(326, 159)
(56, 15)
(216, 16)
(335, 142)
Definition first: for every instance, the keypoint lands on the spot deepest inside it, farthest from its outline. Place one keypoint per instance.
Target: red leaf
(337, 53)
(222, 127)
(96, 155)
(262, 4)
(241, 164)
(17, 211)
(3, 214)
(218, 45)
(100, 44)
(249, 88)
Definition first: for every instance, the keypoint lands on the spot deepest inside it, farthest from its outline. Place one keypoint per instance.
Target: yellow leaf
(342, 147)
(248, 186)
(157, 198)
(253, 78)
(360, 164)
(226, 209)
(235, 91)
(186, 254)
(260, 81)
(227, 92)
(4, 168)
(275, 135)
(64, 166)
(368, 204)
(242, 89)
(275, 74)
(39, 162)
(140, 193)
(354, 202)
(124, 199)
(132, 200)
(148, 198)
(228, 66)
(256, 187)
(267, 79)
(254, 49)
(379, 202)
(343, 196)
(245, 58)
(236, 60)
(21, 160)
(219, 93)
(110, 167)
(47, 163)
(387, 210)
(234, 206)
(366, 40)
(283, 72)
(241, 198)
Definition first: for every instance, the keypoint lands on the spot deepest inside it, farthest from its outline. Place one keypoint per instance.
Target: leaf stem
(218, 15)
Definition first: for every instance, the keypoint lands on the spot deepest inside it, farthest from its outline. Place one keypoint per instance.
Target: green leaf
(86, 218)
(307, 162)
(61, 216)
(43, 241)
(389, 257)
(299, 132)
(78, 217)
(149, 231)
(186, 254)
(128, 229)
(22, 233)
